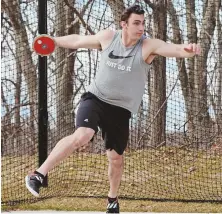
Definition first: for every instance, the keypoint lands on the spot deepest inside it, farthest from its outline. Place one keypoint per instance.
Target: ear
(123, 24)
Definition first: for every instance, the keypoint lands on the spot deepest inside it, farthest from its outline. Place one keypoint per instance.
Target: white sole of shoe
(29, 188)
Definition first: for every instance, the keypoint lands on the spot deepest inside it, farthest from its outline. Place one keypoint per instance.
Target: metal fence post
(42, 84)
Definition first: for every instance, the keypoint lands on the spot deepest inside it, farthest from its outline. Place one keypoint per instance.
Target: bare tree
(23, 53)
(201, 121)
(193, 76)
(157, 86)
(217, 103)
(26, 68)
(64, 71)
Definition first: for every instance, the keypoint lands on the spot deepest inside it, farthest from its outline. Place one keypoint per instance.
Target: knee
(116, 161)
(82, 136)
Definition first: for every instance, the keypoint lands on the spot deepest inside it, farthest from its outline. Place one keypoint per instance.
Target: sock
(111, 200)
(38, 173)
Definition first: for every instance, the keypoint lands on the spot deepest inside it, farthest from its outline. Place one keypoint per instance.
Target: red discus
(44, 45)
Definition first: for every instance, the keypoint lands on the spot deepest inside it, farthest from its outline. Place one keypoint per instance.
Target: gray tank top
(121, 77)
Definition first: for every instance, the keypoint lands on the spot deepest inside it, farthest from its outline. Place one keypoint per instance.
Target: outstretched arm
(162, 48)
(76, 41)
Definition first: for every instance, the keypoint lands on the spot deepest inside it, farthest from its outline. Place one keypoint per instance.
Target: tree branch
(4, 102)
(80, 15)
(151, 5)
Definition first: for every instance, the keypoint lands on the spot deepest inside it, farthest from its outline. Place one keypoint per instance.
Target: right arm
(75, 41)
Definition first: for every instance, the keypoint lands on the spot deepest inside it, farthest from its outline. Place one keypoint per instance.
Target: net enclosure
(175, 145)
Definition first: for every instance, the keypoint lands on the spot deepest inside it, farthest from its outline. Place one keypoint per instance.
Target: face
(134, 26)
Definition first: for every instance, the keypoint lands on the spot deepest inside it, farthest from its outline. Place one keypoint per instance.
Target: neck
(126, 40)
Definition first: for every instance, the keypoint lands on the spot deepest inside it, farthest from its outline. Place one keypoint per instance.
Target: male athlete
(115, 93)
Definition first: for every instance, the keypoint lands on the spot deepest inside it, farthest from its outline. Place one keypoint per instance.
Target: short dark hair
(132, 9)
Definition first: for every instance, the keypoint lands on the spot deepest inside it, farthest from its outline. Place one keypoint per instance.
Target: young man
(115, 93)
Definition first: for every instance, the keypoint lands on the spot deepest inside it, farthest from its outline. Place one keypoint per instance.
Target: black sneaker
(113, 207)
(33, 183)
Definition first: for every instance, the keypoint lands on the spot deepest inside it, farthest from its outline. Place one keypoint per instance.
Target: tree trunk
(218, 97)
(18, 92)
(192, 38)
(177, 39)
(158, 80)
(201, 122)
(64, 72)
(117, 7)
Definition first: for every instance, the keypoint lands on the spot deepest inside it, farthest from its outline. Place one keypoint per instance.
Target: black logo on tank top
(112, 56)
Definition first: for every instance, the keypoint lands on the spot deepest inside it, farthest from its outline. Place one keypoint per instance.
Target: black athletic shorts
(112, 120)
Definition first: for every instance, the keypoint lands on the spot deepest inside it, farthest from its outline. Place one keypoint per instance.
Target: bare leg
(115, 172)
(65, 147)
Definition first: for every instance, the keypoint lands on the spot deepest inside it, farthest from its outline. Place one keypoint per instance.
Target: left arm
(162, 48)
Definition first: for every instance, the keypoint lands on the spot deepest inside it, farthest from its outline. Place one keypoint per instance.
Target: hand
(193, 48)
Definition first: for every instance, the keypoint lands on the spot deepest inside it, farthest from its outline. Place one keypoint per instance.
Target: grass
(166, 173)
(93, 204)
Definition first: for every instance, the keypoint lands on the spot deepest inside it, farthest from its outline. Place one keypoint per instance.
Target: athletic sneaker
(113, 207)
(33, 183)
